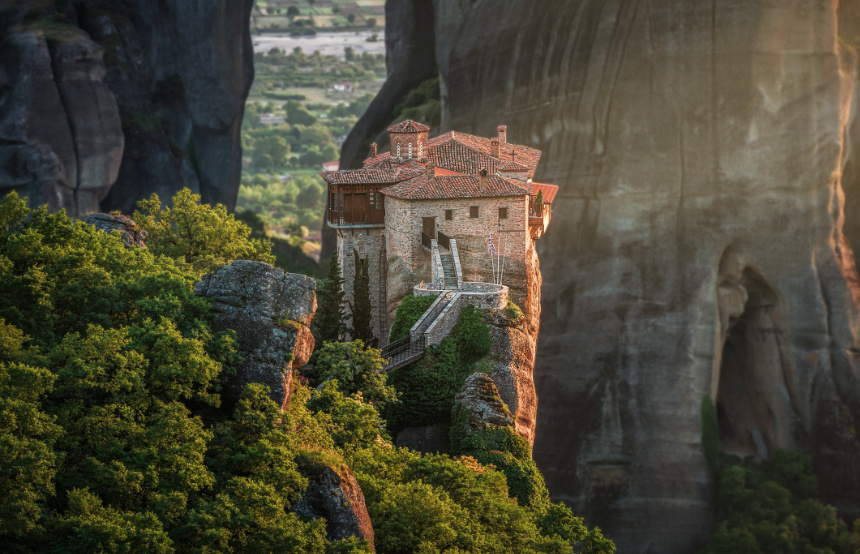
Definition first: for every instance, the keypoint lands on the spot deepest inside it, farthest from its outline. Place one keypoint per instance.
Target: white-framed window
(398, 150)
(421, 150)
(410, 150)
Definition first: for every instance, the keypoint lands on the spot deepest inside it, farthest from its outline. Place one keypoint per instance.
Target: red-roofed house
(427, 209)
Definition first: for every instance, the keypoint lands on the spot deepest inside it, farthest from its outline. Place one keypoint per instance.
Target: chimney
(430, 171)
(482, 183)
(503, 134)
(494, 147)
(373, 150)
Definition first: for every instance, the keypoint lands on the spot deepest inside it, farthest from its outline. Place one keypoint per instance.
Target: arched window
(410, 149)
(398, 150)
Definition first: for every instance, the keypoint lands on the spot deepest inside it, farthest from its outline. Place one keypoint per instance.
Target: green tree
(348, 53)
(328, 324)
(202, 236)
(360, 308)
(274, 146)
(310, 197)
(357, 370)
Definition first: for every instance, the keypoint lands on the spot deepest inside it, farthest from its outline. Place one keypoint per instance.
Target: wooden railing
(355, 217)
(535, 208)
(426, 241)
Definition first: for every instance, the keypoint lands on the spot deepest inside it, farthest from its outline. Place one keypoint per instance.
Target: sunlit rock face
(697, 243)
(104, 103)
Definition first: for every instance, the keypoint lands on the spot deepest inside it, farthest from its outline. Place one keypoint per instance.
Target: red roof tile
(465, 153)
(369, 176)
(455, 186)
(547, 190)
(408, 126)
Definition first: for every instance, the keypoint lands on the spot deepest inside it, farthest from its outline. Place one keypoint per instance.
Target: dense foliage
(114, 438)
(202, 236)
(771, 508)
(105, 356)
(428, 386)
(328, 323)
(408, 313)
(360, 307)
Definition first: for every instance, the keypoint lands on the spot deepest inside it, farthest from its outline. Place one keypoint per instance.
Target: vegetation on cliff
(771, 507)
(115, 438)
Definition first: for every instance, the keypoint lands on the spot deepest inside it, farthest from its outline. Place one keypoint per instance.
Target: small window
(375, 201)
(421, 150)
(473, 211)
(398, 150)
(410, 150)
(449, 215)
(503, 213)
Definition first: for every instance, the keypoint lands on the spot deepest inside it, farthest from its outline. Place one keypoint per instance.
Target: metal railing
(394, 347)
(400, 352)
(426, 241)
(444, 240)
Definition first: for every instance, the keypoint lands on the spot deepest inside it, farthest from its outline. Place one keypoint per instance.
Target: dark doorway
(429, 226)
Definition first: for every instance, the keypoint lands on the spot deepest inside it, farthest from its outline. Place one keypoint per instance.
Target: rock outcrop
(132, 235)
(105, 103)
(333, 493)
(513, 356)
(480, 397)
(701, 242)
(271, 312)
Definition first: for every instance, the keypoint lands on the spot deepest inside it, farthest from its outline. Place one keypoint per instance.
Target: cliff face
(700, 243)
(108, 102)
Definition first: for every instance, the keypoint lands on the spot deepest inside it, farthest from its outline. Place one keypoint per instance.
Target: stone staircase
(411, 347)
(449, 270)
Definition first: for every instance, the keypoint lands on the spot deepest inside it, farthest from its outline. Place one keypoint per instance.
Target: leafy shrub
(357, 370)
(408, 313)
(512, 311)
(202, 236)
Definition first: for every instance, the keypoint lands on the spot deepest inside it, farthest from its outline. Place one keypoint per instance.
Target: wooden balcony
(343, 218)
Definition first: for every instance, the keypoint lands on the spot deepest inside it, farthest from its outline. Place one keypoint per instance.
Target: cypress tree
(328, 324)
(362, 329)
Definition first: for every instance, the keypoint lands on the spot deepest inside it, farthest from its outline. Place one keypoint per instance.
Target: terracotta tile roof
(511, 166)
(408, 126)
(369, 176)
(454, 186)
(547, 190)
(466, 153)
(442, 172)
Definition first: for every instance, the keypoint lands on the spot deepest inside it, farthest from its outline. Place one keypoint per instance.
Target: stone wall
(403, 222)
(369, 242)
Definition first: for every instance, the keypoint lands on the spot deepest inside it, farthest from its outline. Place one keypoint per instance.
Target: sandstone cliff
(105, 103)
(701, 243)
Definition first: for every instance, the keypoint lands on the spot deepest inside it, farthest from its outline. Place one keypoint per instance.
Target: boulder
(270, 311)
(132, 235)
(481, 398)
(334, 494)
